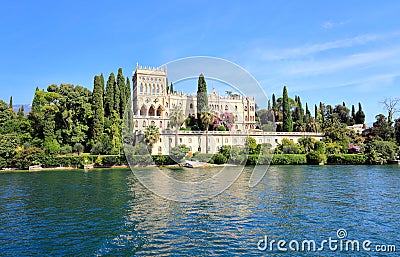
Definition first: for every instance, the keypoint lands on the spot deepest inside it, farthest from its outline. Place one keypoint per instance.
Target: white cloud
(264, 53)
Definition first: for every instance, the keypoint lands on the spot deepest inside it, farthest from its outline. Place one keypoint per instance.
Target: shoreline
(174, 166)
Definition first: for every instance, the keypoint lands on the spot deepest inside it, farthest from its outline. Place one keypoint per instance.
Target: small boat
(194, 164)
(35, 168)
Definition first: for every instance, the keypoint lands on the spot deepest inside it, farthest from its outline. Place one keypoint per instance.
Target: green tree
(382, 129)
(307, 144)
(128, 90)
(287, 116)
(202, 99)
(179, 152)
(151, 135)
(360, 116)
(29, 156)
(176, 118)
(6, 113)
(251, 145)
(397, 130)
(11, 102)
(380, 152)
(78, 148)
(207, 118)
(109, 96)
(51, 147)
(122, 92)
(98, 109)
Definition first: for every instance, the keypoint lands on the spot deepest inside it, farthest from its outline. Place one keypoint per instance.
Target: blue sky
(332, 51)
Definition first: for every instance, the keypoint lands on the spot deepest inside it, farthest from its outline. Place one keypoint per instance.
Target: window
(160, 140)
(180, 140)
(245, 108)
(144, 123)
(191, 106)
(159, 149)
(141, 88)
(160, 124)
(226, 140)
(190, 140)
(226, 107)
(136, 123)
(235, 107)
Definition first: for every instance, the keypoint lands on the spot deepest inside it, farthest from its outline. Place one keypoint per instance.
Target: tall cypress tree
(360, 116)
(315, 112)
(117, 99)
(109, 96)
(11, 102)
(202, 100)
(128, 90)
(299, 111)
(353, 112)
(98, 109)
(287, 115)
(122, 91)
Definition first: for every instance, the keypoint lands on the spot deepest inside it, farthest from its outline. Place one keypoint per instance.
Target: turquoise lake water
(109, 213)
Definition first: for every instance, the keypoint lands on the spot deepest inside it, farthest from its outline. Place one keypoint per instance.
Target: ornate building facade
(152, 102)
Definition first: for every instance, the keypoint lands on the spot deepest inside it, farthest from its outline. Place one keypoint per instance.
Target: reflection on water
(109, 213)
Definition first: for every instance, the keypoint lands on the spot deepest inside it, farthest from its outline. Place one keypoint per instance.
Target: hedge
(348, 159)
(288, 159)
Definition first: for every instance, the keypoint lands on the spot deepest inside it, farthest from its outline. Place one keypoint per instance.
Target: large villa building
(152, 103)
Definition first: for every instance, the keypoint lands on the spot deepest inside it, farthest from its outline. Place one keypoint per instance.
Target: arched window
(152, 123)
(143, 111)
(166, 104)
(151, 111)
(246, 127)
(159, 111)
(144, 124)
(159, 149)
(191, 106)
(236, 118)
(136, 123)
(160, 124)
(226, 107)
(235, 107)
(245, 108)
(246, 118)
(141, 88)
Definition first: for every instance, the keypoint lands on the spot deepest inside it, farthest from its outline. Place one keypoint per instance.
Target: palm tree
(151, 134)
(176, 118)
(207, 118)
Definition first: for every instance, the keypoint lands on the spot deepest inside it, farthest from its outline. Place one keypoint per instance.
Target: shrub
(315, 157)
(221, 128)
(380, 152)
(178, 152)
(219, 158)
(288, 159)
(78, 148)
(348, 159)
(163, 160)
(97, 148)
(66, 149)
(202, 157)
